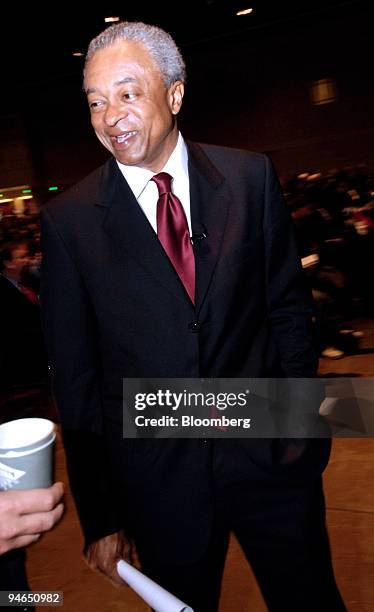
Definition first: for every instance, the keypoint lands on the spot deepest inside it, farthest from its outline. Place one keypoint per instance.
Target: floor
(55, 562)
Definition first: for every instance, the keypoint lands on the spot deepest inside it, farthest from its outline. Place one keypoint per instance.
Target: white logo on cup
(9, 477)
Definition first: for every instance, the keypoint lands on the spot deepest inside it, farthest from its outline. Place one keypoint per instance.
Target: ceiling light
(111, 19)
(244, 12)
(78, 54)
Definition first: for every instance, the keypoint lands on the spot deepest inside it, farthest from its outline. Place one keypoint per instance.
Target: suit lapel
(131, 232)
(209, 207)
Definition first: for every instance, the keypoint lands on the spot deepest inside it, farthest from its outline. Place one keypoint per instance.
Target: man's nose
(114, 113)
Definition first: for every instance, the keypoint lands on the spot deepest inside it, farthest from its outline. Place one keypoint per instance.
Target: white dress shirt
(146, 191)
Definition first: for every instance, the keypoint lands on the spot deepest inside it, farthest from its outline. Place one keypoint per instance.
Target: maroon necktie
(172, 232)
(30, 294)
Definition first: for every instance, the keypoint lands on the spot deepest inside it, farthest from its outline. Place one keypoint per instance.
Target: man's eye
(129, 96)
(94, 104)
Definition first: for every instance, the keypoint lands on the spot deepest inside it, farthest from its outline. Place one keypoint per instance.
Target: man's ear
(175, 96)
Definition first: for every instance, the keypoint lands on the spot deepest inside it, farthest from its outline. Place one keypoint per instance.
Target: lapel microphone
(199, 233)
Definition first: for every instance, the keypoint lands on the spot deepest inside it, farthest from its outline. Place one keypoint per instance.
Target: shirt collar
(177, 163)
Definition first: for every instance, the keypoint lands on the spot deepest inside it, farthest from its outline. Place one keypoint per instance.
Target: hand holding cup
(25, 515)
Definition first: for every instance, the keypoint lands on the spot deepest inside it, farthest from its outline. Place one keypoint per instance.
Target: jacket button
(193, 326)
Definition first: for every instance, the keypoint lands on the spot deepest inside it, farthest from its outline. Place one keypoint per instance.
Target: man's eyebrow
(123, 81)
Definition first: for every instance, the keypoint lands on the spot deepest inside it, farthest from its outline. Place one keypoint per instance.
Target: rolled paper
(152, 593)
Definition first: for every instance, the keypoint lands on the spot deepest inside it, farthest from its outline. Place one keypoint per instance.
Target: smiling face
(132, 112)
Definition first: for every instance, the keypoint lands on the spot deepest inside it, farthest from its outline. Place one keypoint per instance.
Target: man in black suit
(115, 306)
(22, 354)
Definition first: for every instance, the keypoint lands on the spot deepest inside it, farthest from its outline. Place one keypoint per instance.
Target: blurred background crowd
(334, 219)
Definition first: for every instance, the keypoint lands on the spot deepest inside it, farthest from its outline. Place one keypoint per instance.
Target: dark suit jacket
(22, 354)
(114, 307)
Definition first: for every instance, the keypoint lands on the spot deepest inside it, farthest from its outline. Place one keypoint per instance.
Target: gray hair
(158, 43)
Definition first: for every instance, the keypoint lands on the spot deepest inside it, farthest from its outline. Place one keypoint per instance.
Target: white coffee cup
(26, 453)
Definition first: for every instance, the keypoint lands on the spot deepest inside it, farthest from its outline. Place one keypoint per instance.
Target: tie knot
(163, 182)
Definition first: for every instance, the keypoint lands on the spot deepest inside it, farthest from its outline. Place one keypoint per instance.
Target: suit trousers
(278, 516)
